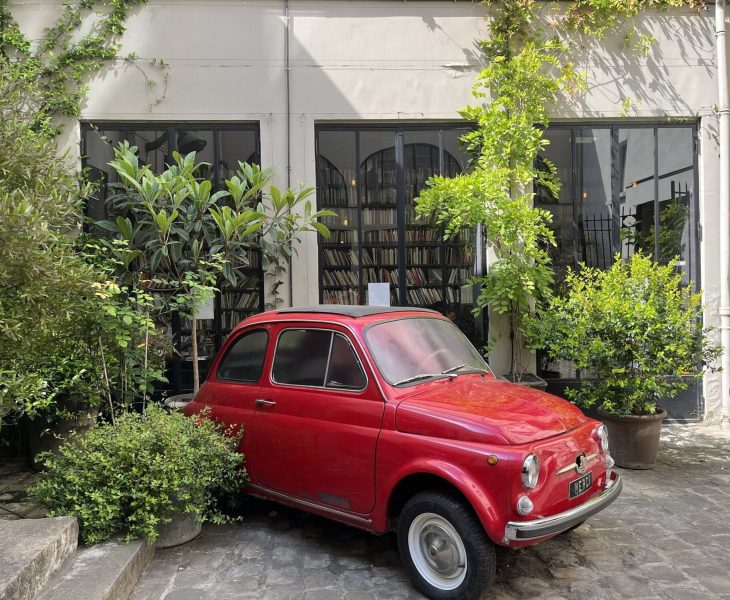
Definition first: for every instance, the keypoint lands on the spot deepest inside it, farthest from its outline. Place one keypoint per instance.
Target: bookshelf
(376, 236)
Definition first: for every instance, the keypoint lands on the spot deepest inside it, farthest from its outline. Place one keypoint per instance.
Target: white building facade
(360, 98)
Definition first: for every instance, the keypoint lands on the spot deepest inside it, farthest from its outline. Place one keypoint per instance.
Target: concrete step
(107, 571)
(31, 550)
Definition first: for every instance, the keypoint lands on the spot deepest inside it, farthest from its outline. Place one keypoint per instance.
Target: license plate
(581, 485)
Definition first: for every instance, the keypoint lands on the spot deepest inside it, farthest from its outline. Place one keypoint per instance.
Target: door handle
(264, 402)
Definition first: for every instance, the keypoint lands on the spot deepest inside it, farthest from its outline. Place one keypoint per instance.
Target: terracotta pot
(634, 439)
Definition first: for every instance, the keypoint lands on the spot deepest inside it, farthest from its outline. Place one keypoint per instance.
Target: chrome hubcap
(437, 551)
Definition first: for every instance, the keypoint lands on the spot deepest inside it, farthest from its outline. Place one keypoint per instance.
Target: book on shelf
(421, 296)
(378, 216)
(341, 296)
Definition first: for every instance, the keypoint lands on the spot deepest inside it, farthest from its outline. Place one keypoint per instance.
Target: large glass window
(371, 176)
(623, 189)
(220, 147)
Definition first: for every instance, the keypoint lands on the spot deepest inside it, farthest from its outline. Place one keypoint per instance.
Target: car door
(231, 390)
(318, 420)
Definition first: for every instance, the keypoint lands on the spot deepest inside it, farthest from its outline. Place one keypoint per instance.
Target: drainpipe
(724, 110)
(288, 133)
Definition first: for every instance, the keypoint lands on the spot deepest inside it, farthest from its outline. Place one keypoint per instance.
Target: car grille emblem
(580, 464)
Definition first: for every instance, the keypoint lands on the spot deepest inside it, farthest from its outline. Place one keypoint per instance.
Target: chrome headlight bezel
(530, 471)
(601, 434)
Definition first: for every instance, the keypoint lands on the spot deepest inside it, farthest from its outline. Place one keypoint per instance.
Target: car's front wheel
(445, 551)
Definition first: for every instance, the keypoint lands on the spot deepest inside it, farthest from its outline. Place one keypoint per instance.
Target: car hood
(482, 409)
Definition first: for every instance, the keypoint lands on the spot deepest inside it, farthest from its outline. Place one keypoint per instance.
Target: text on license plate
(581, 485)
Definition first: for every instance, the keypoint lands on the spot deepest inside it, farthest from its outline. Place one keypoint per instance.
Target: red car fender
(475, 492)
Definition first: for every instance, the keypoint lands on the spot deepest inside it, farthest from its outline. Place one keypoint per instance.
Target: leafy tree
(182, 238)
(59, 312)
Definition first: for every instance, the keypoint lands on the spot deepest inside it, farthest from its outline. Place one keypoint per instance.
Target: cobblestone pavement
(15, 477)
(667, 536)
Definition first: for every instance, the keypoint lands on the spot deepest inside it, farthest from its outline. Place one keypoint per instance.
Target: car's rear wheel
(445, 551)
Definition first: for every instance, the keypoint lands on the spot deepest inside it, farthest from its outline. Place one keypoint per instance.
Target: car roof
(352, 310)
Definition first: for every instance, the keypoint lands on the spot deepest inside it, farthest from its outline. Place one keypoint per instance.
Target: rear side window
(244, 360)
(318, 358)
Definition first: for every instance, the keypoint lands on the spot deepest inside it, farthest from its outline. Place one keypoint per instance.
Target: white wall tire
(444, 548)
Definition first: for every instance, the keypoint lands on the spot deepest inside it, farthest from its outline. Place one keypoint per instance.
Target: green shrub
(635, 329)
(137, 473)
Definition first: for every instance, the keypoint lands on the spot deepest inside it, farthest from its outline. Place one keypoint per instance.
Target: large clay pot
(48, 437)
(183, 528)
(634, 439)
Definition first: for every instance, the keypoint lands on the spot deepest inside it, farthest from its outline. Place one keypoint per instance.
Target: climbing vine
(527, 71)
(78, 44)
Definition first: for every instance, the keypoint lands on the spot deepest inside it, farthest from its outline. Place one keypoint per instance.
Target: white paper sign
(378, 294)
(205, 311)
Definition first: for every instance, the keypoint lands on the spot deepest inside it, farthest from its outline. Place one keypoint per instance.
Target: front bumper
(522, 531)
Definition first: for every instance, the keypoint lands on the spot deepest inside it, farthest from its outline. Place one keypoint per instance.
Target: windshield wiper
(460, 367)
(422, 376)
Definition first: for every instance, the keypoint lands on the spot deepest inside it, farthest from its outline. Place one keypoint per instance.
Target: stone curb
(107, 571)
(31, 551)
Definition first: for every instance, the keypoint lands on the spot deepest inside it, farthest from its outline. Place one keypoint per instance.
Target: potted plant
(181, 238)
(636, 329)
(137, 475)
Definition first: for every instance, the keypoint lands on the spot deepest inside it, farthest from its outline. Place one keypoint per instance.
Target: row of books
(347, 296)
(242, 300)
(421, 255)
(418, 276)
(230, 319)
(346, 257)
(460, 255)
(420, 296)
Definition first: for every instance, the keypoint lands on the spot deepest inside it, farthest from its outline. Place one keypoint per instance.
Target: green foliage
(181, 238)
(55, 326)
(527, 71)
(136, 474)
(598, 17)
(82, 40)
(635, 329)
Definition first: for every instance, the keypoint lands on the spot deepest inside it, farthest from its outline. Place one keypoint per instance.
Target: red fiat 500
(388, 418)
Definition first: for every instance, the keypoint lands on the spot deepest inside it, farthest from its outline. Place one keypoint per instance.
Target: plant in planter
(636, 329)
(136, 475)
(182, 238)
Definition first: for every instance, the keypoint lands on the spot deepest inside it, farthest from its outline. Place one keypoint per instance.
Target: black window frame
(221, 313)
(617, 155)
(401, 130)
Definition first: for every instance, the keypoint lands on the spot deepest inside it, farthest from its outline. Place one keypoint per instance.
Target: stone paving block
(31, 551)
(656, 541)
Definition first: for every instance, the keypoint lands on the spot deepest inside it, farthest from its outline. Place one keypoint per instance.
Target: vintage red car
(389, 419)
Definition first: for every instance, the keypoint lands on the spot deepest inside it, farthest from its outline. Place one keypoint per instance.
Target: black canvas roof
(352, 310)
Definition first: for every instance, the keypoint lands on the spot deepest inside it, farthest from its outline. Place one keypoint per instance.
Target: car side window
(244, 360)
(301, 357)
(345, 371)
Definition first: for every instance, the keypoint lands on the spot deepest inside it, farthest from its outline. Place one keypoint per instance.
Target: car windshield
(418, 349)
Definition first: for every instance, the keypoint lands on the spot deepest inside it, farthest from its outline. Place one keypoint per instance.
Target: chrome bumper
(529, 530)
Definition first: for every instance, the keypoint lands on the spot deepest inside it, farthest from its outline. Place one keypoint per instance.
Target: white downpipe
(724, 110)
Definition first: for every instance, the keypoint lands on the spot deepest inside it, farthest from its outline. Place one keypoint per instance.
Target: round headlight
(530, 471)
(602, 437)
